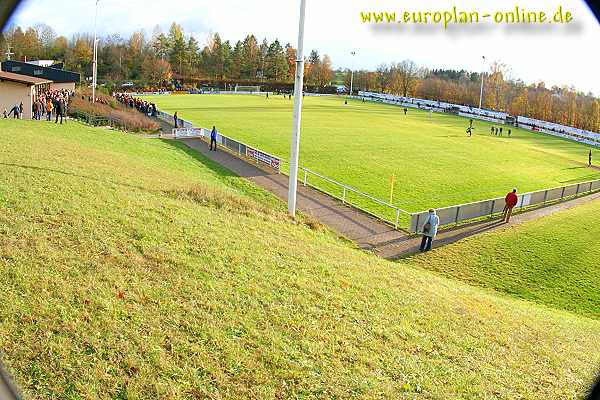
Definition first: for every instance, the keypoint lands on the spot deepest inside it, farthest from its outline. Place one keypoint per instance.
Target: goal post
(247, 89)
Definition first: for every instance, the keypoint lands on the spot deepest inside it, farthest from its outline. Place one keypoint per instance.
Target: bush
(115, 113)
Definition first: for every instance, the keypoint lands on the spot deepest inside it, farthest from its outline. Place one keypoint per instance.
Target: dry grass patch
(127, 118)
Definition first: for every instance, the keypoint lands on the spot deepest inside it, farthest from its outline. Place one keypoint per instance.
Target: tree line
(163, 56)
(560, 104)
(167, 55)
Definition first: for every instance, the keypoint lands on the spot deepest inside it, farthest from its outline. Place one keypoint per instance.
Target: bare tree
(382, 77)
(408, 74)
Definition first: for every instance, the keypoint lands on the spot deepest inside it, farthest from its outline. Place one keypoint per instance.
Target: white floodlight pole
(95, 59)
(352, 73)
(481, 91)
(9, 53)
(298, 90)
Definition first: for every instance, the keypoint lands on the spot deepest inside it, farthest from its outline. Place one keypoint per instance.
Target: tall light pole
(352, 73)
(481, 91)
(95, 59)
(9, 53)
(298, 90)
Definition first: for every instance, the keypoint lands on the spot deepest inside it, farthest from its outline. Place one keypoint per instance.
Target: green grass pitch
(363, 144)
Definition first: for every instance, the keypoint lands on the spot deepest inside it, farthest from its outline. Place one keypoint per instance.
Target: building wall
(70, 86)
(12, 93)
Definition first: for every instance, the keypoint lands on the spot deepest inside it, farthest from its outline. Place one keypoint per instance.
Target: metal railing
(389, 213)
(346, 190)
(492, 207)
(90, 119)
(262, 157)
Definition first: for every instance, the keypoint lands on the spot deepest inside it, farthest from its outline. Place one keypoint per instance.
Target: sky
(558, 54)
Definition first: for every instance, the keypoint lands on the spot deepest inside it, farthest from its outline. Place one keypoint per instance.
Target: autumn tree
(290, 55)
(156, 69)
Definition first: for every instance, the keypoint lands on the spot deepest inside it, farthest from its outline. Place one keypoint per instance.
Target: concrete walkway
(367, 232)
(343, 219)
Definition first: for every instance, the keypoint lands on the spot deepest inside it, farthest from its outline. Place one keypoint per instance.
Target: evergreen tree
(250, 58)
(227, 59)
(177, 47)
(192, 59)
(236, 61)
(276, 66)
(263, 51)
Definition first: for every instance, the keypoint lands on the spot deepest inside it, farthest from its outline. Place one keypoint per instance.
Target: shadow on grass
(585, 178)
(91, 178)
(199, 157)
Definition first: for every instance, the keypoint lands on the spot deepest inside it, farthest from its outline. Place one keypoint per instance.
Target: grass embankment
(132, 268)
(554, 260)
(363, 144)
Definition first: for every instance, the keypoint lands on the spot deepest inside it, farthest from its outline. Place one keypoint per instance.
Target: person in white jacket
(429, 230)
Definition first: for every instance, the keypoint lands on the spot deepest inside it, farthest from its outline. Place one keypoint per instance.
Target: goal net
(248, 89)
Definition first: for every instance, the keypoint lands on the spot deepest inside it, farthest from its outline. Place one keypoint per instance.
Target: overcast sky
(556, 54)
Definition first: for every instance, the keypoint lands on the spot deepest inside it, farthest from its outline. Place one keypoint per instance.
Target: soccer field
(363, 144)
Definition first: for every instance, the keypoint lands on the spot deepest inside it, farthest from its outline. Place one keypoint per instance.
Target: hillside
(553, 260)
(132, 268)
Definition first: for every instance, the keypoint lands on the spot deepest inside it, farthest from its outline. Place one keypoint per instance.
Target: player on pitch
(470, 128)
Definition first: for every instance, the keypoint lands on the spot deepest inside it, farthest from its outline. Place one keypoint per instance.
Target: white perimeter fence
(382, 210)
(489, 208)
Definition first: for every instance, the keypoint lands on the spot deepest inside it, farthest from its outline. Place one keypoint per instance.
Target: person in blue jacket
(213, 139)
(430, 228)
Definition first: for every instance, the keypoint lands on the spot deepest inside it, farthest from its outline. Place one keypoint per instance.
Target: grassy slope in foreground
(553, 260)
(363, 144)
(131, 269)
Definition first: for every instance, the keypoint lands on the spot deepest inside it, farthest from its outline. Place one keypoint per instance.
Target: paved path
(345, 220)
(367, 232)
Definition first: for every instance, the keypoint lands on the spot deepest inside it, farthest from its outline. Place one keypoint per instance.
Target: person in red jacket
(511, 201)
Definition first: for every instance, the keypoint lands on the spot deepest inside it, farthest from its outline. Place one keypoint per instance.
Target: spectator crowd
(46, 105)
(133, 102)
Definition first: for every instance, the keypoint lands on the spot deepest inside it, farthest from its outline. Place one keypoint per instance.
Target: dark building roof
(27, 80)
(50, 73)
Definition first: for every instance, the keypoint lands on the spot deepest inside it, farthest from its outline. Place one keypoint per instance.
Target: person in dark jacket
(590, 158)
(14, 111)
(213, 139)
(175, 118)
(21, 108)
(60, 110)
